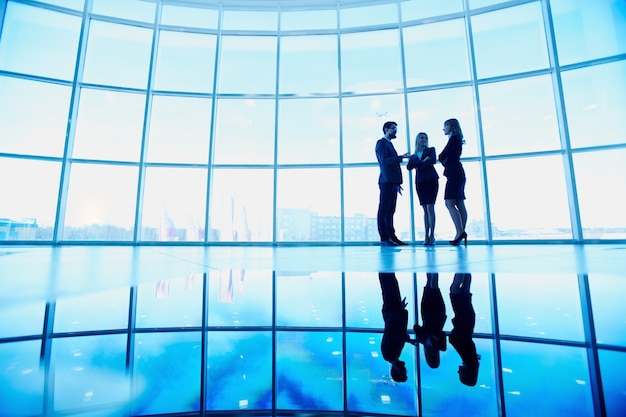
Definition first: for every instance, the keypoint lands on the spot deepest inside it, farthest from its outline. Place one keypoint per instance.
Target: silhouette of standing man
(389, 182)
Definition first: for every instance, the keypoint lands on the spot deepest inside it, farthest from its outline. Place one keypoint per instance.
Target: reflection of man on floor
(396, 319)
(463, 322)
(433, 310)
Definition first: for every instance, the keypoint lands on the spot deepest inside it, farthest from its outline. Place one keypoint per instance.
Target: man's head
(398, 371)
(390, 129)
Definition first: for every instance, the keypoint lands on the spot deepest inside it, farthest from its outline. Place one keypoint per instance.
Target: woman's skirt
(427, 191)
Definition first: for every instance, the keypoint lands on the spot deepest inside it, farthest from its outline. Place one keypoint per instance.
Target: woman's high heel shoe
(457, 241)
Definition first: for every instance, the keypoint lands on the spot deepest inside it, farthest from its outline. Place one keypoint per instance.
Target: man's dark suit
(389, 182)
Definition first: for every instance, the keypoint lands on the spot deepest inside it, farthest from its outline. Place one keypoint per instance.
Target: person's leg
(426, 225)
(386, 208)
(456, 216)
(430, 210)
(382, 209)
(460, 204)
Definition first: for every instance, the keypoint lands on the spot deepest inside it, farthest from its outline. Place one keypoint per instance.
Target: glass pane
(424, 43)
(167, 372)
(585, 30)
(539, 194)
(104, 310)
(531, 370)
(30, 215)
(21, 317)
(364, 298)
(370, 389)
(444, 229)
(173, 302)
(443, 393)
(306, 210)
(308, 64)
(321, 387)
(311, 300)
(179, 130)
(244, 132)
(21, 379)
(519, 116)
(70, 4)
(140, 10)
(189, 16)
(33, 117)
(248, 65)
(613, 380)
(429, 109)
(89, 371)
(308, 20)
(174, 204)
(597, 178)
(318, 141)
(250, 20)
(109, 126)
(242, 213)
(361, 195)
(607, 295)
(418, 9)
(240, 298)
(110, 189)
(363, 119)
(368, 15)
(500, 35)
(595, 97)
(358, 75)
(476, 4)
(185, 62)
(118, 55)
(554, 313)
(39, 42)
(239, 371)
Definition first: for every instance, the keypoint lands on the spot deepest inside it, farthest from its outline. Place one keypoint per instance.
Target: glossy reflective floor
(283, 331)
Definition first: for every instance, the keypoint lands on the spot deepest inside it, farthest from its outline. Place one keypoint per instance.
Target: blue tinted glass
(21, 379)
(612, 365)
(239, 370)
(595, 97)
(90, 371)
(587, 30)
(173, 302)
(39, 42)
(127, 9)
(309, 300)
(240, 298)
(21, 317)
(309, 371)
(443, 393)
(167, 372)
(607, 303)
(370, 388)
(92, 311)
(532, 370)
(554, 313)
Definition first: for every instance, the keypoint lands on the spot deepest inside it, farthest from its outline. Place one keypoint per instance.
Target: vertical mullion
(497, 347)
(593, 359)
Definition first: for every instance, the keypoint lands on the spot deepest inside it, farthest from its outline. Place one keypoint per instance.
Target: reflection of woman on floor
(463, 328)
(433, 310)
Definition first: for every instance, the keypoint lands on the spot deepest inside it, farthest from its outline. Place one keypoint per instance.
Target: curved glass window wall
(255, 122)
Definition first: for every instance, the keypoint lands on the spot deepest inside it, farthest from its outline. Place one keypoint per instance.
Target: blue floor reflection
(263, 342)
